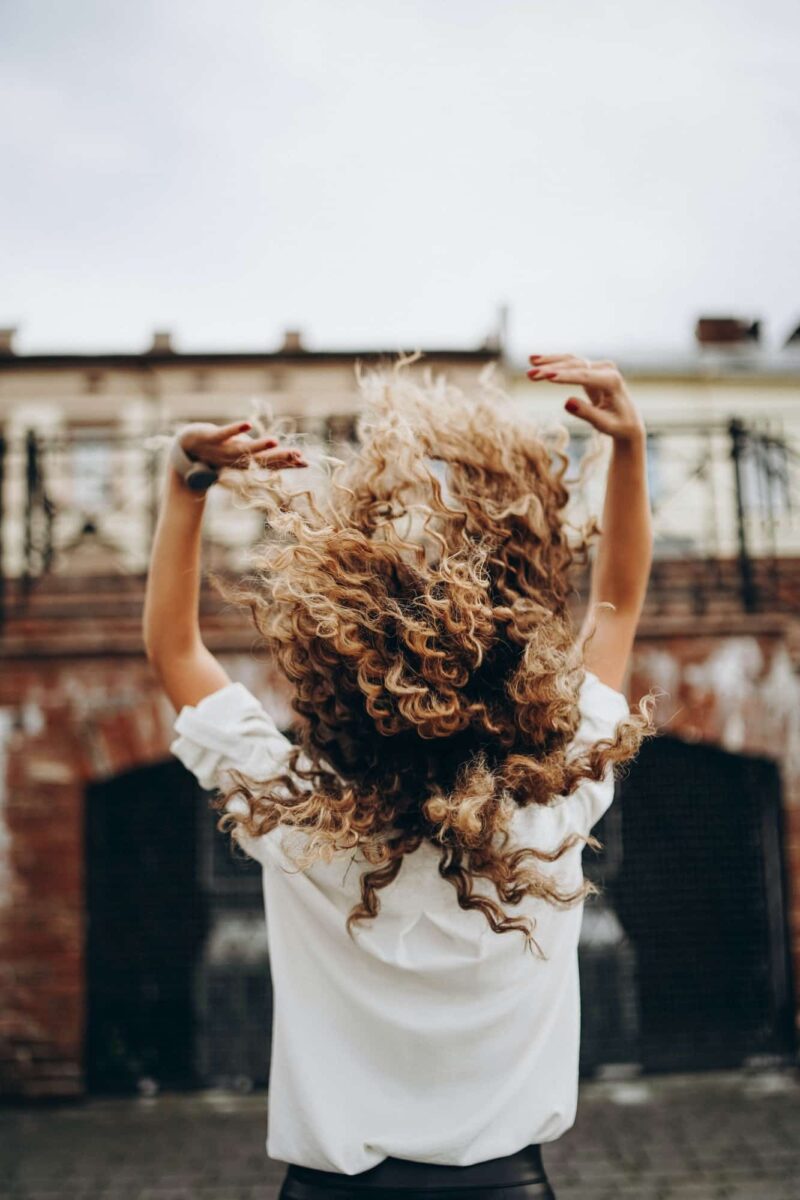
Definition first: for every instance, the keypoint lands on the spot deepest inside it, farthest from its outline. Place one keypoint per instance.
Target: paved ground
(714, 1136)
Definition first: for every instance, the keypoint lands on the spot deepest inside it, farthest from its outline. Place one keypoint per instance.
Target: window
(90, 468)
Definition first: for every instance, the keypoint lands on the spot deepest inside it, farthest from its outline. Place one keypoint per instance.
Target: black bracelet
(197, 475)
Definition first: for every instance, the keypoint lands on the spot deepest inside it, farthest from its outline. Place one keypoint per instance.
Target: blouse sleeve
(231, 729)
(602, 708)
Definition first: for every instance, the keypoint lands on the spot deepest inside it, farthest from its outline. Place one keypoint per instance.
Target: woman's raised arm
(186, 667)
(624, 555)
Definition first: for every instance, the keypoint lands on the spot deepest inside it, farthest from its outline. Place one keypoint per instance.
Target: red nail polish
(245, 426)
(552, 375)
(571, 406)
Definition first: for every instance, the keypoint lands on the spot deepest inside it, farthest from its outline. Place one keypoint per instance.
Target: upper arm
(229, 729)
(189, 677)
(610, 637)
(602, 707)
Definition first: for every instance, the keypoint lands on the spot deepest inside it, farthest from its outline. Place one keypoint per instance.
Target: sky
(389, 173)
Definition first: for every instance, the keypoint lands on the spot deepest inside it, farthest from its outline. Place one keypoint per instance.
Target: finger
(598, 417)
(543, 370)
(281, 452)
(546, 370)
(549, 370)
(226, 431)
(288, 464)
(280, 457)
(239, 449)
(587, 375)
(552, 358)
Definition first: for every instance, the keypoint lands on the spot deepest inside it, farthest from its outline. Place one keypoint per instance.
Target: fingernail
(571, 406)
(533, 374)
(551, 375)
(245, 426)
(534, 358)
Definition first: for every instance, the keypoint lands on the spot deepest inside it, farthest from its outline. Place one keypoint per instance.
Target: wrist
(195, 475)
(178, 487)
(633, 437)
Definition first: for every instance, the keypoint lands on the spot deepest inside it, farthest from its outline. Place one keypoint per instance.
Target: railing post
(31, 490)
(738, 436)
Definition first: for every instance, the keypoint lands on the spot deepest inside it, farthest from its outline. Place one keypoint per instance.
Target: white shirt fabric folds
(426, 1036)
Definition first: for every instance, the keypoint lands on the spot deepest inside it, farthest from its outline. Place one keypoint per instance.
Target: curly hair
(418, 605)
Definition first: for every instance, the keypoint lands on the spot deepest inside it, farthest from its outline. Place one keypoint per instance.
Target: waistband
(525, 1166)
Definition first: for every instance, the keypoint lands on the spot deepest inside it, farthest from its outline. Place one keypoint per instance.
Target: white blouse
(428, 1036)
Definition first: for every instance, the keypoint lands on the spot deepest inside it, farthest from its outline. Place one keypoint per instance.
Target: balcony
(79, 509)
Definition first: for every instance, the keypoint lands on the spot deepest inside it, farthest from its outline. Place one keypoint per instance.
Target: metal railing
(725, 499)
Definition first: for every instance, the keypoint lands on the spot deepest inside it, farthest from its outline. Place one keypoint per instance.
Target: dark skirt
(519, 1176)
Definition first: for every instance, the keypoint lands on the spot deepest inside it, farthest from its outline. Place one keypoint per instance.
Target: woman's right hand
(229, 446)
(609, 407)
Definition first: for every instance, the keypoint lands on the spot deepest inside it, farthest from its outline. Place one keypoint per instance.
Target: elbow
(169, 646)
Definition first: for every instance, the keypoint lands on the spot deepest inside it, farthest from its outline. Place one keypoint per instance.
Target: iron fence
(84, 501)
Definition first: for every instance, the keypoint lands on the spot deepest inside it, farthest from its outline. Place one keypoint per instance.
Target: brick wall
(65, 722)
(734, 683)
(68, 719)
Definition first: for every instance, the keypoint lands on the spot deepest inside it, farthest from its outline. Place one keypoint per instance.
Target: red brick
(102, 711)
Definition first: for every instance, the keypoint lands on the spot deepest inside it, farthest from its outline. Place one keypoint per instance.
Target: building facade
(131, 941)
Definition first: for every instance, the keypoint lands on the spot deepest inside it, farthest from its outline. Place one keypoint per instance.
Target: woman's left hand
(228, 446)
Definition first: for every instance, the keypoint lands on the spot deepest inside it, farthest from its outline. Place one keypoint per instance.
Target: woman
(455, 744)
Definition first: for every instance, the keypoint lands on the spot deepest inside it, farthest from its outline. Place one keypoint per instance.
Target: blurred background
(209, 206)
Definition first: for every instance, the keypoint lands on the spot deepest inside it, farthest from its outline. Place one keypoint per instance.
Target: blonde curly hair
(418, 607)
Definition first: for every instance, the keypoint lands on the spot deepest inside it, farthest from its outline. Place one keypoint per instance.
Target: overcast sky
(388, 172)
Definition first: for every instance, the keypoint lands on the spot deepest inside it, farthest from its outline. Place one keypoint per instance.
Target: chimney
(727, 333)
(793, 340)
(293, 342)
(7, 341)
(162, 342)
